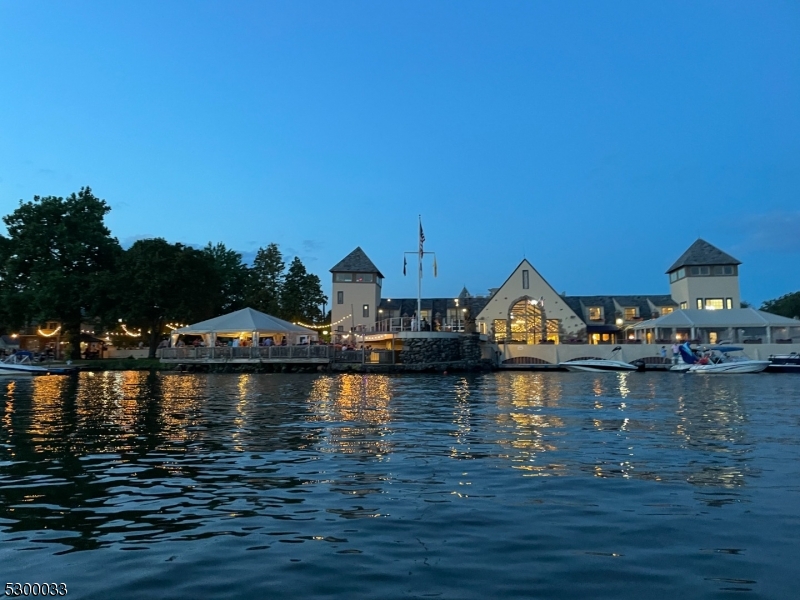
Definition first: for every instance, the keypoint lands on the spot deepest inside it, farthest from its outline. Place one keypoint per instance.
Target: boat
(719, 360)
(784, 363)
(21, 363)
(597, 365)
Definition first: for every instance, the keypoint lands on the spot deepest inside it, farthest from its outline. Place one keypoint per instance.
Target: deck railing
(396, 324)
(248, 352)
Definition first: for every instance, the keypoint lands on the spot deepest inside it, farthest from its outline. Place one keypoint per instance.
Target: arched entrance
(527, 323)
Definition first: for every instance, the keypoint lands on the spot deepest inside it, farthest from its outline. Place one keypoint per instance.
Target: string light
(325, 326)
(55, 331)
(125, 329)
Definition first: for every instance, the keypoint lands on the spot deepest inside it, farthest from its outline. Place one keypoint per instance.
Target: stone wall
(430, 350)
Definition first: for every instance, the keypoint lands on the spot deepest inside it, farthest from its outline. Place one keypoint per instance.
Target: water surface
(514, 485)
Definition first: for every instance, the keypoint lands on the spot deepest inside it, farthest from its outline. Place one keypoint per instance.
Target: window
(595, 313)
(365, 310)
(717, 271)
(364, 277)
(681, 273)
(673, 276)
(665, 310)
(343, 277)
(631, 313)
(340, 328)
(728, 271)
(714, 304)
(684, 305)
(729, 303)
(700, 303)
(339, 297)
(526, 284)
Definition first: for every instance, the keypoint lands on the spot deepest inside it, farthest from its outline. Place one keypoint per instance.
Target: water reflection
(133, 458)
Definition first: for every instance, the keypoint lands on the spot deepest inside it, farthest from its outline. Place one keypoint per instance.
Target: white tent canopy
(736, 325)
(246, 322)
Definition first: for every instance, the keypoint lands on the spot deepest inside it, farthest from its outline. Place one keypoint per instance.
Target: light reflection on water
(517, 467)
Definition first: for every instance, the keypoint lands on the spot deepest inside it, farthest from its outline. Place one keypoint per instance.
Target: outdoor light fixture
(620, 321)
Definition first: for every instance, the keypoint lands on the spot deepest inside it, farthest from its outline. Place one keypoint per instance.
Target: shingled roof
(701, 253)
(356, 262)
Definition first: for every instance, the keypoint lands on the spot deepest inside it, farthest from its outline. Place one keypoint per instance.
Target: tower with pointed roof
(705, 277)
(356, 293)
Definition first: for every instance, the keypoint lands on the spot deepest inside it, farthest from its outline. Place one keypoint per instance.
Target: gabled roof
(246, 319)
(701, 253)
(356, 262)
(464, 293)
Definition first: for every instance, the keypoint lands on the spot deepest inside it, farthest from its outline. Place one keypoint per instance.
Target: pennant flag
(404, 265)
(435, 268)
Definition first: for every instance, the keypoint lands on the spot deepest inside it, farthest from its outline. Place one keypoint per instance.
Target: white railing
(396, 324)
(249, 352)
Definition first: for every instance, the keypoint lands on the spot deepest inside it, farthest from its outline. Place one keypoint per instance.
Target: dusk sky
(597, 139)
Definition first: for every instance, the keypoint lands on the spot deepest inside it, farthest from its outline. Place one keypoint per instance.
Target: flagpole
(419, 280)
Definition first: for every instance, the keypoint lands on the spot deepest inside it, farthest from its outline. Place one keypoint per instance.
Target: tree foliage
(301, 295)
(266, 280)
(232, 275)
(55, 260)
(161, 282)
(787, 305)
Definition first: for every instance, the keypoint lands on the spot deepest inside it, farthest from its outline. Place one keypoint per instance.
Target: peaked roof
(356, 262)
(701, 253)
(246, 319)
(464, 293)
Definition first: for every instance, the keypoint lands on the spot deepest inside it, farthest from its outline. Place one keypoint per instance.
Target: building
(526, 309)
(356, 293)
(705, 277)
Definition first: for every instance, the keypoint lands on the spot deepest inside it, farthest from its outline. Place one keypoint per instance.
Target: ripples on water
(132, 485)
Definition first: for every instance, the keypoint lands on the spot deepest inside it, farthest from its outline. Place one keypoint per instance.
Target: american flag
(421, 237)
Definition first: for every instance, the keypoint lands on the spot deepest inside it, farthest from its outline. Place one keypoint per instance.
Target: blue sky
(597, 139)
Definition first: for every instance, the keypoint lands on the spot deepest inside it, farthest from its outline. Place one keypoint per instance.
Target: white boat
(719, 360)
(597, 365)
(21, 363)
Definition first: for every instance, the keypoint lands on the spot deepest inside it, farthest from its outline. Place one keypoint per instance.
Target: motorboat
(21, 363)
(596, 365)
(719, 360)
(784, 363)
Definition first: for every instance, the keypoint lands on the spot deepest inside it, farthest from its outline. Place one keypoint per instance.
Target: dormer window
(666, 310)
(631, 314)
(595, 313)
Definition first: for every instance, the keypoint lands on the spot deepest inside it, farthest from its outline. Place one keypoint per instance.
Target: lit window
(665, 310)
(526, 284)
(364, 277)
(365, 310)
(700, 303)
(684, 305)
(631, 313)
(344, 277)
(339, 297)
(714, 304)
(595, 313)
(729, 303)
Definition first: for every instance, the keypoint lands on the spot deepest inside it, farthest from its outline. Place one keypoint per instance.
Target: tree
(161, 282)
(233, 277)
(54, 261)
(266, 280)
(787, 305)
(301, 295)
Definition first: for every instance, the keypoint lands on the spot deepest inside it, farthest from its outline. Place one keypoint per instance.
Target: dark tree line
(59, 262)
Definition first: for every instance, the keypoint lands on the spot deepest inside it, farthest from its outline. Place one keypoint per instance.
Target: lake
(501, 485)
